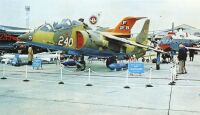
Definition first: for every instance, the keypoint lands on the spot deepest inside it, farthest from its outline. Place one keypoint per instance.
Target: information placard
(136, 68)
(37, 63)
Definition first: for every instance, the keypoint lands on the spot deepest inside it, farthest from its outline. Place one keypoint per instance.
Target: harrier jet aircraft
(72, 37)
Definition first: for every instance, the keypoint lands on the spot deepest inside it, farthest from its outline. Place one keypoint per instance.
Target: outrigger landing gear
(111, 60)
(81, 64)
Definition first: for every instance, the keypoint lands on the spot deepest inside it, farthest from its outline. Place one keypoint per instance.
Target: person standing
(182, 56)
(191, 53)
(30, 55)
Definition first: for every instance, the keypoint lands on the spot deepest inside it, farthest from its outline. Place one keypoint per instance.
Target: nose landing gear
(81, 65)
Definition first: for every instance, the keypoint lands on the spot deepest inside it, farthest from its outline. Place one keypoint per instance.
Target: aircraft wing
(14, 30)
(123, 40)
(193, 48)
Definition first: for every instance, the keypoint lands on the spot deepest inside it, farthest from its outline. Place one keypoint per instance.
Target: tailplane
(142, 37)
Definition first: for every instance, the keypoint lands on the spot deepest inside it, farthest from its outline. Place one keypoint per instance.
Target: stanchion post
(61, 75)
(26, 75)
(89, 82)
(158, 61)
(57, 58)
(4, 77)
(175, 72)
(172, 75)
(127, 86)
(150, 76)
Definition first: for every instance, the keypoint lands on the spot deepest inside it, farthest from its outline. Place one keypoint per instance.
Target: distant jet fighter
(170, 39)
(72, 37)
(173, 40)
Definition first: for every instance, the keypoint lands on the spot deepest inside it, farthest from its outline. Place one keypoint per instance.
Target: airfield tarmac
(42, 95)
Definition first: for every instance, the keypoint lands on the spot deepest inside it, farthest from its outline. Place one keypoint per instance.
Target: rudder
(142, 37)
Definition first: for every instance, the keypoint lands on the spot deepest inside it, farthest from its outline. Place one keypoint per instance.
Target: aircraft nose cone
(21, 37)
(24, 37)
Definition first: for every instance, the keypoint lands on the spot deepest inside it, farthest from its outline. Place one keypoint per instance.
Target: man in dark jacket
(182, 56)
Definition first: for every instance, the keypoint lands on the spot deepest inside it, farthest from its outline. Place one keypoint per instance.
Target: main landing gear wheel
(110, 60)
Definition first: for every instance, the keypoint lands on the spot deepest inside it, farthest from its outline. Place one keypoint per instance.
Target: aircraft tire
(143, 59)
(110, 60)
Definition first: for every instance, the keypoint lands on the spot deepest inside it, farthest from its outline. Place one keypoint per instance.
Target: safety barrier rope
(88, 73)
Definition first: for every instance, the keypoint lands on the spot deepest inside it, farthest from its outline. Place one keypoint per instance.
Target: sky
(160, 12)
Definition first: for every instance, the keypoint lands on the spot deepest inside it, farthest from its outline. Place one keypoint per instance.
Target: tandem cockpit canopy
(64, 24)
(46, 28)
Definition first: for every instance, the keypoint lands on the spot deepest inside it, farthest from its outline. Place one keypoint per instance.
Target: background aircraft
(8, 36)
(170, 39)
(173, 40)
(22, 59)
(72, 37)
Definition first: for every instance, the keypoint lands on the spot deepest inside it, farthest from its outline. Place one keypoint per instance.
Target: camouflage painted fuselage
(77, 40)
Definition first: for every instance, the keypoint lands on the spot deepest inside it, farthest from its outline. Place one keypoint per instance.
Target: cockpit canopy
(46, 28)
(166, 40)
(64, 24)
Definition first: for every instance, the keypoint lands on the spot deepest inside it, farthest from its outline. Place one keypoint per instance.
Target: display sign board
(136, 68)
(37, 63)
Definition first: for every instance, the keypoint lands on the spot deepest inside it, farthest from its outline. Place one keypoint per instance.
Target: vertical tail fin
(125, 25)
(142, 37)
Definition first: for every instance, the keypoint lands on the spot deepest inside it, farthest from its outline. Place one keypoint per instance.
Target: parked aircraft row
(76, 38)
